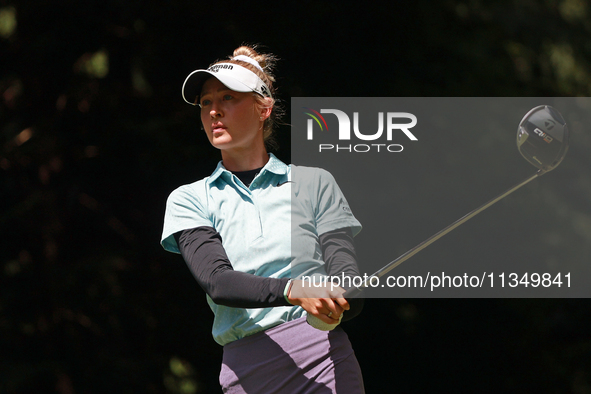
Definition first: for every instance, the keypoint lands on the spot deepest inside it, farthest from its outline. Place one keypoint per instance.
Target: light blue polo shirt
(269, 229)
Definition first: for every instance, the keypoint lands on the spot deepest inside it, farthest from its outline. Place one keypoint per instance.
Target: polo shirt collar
(274, 165)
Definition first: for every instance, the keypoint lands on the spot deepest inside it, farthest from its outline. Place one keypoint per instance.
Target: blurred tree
(94, 135)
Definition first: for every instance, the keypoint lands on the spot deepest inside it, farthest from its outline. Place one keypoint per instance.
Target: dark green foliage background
(89, 301)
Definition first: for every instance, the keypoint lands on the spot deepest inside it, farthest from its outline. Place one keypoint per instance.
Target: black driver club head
(542, 137)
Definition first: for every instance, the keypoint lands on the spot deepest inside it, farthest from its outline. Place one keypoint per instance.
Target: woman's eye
(205, 103)
(228, 97)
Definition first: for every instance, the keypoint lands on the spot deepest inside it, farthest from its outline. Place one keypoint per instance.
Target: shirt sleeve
(338, 251)
(332, 210)
(203, 252)
(184, 210)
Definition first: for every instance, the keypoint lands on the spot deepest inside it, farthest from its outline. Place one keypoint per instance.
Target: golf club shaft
(355, 291)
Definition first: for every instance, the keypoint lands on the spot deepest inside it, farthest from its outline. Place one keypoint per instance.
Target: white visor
(233, 76)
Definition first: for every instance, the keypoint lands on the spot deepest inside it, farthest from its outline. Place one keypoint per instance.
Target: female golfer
(256, 234)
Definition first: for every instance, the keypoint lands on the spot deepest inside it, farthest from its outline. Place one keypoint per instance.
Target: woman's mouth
(218, 127)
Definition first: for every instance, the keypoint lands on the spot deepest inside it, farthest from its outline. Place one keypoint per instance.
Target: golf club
(542, 139)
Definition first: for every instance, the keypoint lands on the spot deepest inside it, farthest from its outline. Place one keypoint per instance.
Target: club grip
(320, 325)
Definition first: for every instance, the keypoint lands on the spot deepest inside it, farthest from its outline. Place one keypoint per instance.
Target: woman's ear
(266, 109)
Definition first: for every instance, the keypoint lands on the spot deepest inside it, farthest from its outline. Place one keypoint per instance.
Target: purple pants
(291, 358)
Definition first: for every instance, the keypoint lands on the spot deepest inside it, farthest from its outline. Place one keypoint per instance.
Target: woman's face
(232, 120)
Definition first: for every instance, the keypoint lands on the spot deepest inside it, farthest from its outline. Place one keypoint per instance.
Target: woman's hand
(324, 301)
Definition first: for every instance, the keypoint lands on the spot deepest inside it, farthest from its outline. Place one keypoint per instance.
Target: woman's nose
(215, 111)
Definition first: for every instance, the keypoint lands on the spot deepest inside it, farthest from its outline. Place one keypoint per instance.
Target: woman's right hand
(324, 301)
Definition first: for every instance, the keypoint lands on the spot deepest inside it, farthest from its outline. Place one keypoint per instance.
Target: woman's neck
(244, 160)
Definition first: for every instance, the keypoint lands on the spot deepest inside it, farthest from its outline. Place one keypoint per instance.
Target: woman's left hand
(325, 302)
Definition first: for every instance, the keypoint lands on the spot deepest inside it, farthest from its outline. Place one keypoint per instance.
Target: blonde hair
(267, 62)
